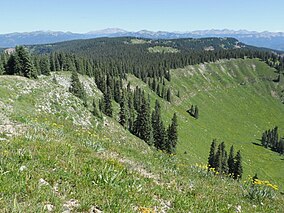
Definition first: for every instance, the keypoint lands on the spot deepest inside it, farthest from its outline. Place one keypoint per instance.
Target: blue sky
(169, 15)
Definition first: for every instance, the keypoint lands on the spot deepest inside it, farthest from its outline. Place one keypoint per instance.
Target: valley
(56, 154)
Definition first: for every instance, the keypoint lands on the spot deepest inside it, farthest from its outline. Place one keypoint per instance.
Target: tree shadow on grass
(257, 144)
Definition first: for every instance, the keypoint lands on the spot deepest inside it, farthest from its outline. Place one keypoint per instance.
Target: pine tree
(169, 99)
(221, 159)
(172, 136)
(280, 147)
(27, 67)
(264, 139)
(44, 65)
(158, 128)
(108, 103)
(122, 112)
(20, 63)
(191, 111)
(2, 70)
(211, 158)
(238, 170)
(225, 162)
(76, 88)
(142, 124)
(95, 110)
(231, 161)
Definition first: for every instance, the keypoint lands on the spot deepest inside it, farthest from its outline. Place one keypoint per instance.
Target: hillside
(56, 155)
(272, 40)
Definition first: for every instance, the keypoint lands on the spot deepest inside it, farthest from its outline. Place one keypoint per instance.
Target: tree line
(135, 113)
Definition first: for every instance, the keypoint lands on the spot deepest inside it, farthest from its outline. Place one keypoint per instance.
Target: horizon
(155, 31)
(153, 15)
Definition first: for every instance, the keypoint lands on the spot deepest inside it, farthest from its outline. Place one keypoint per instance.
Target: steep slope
(61, 157)
(236, 104)
(237, 101)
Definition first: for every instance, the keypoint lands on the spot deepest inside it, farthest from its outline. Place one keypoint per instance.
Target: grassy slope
(99, 164)
(236, 106)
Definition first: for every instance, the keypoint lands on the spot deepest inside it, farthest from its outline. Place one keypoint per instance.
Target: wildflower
(145, 210)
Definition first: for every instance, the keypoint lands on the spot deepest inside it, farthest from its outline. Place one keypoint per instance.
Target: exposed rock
(43, 182)
(49, 207)
(69, 205)
(22, 168)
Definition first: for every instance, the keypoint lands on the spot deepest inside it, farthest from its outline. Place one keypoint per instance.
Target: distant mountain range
(261, 39)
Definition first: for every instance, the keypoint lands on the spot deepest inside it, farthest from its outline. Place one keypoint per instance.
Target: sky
(82, 16)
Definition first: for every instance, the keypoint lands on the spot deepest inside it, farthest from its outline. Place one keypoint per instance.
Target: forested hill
(79, 46)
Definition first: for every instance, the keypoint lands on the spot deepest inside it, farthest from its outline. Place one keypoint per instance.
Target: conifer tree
(169, 99)
(172, 136)
(238, 171)
(107, 102)
(77, 88)
(142, 124)
(280, 147)
(44, 65)
(2, 70)
(211, 158)
(20, 63)
(221, 159)
(191, 111)
(264, 139)
(131, 111)
(158, 128)
(231, 161)
(95, 110)
(122, 112)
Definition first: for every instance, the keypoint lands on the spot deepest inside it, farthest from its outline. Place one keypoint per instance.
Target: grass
(105, 167)
(162, 49)
(138, 41)
(232, 109)
(235, 105)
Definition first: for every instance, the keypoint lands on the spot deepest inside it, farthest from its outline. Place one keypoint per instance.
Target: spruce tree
(221, 159)
(26, 67)
(169, 99)
(238, 170)
(2, 70)
(107, 102)
(231, 161)
(95, 110)
(172, 136)
(122, 112)
(211, 158)
(158, 128)
(191, 111)
(264, 139)
(44, 65)
(76, 88)
(280, 147)
(142, 124)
